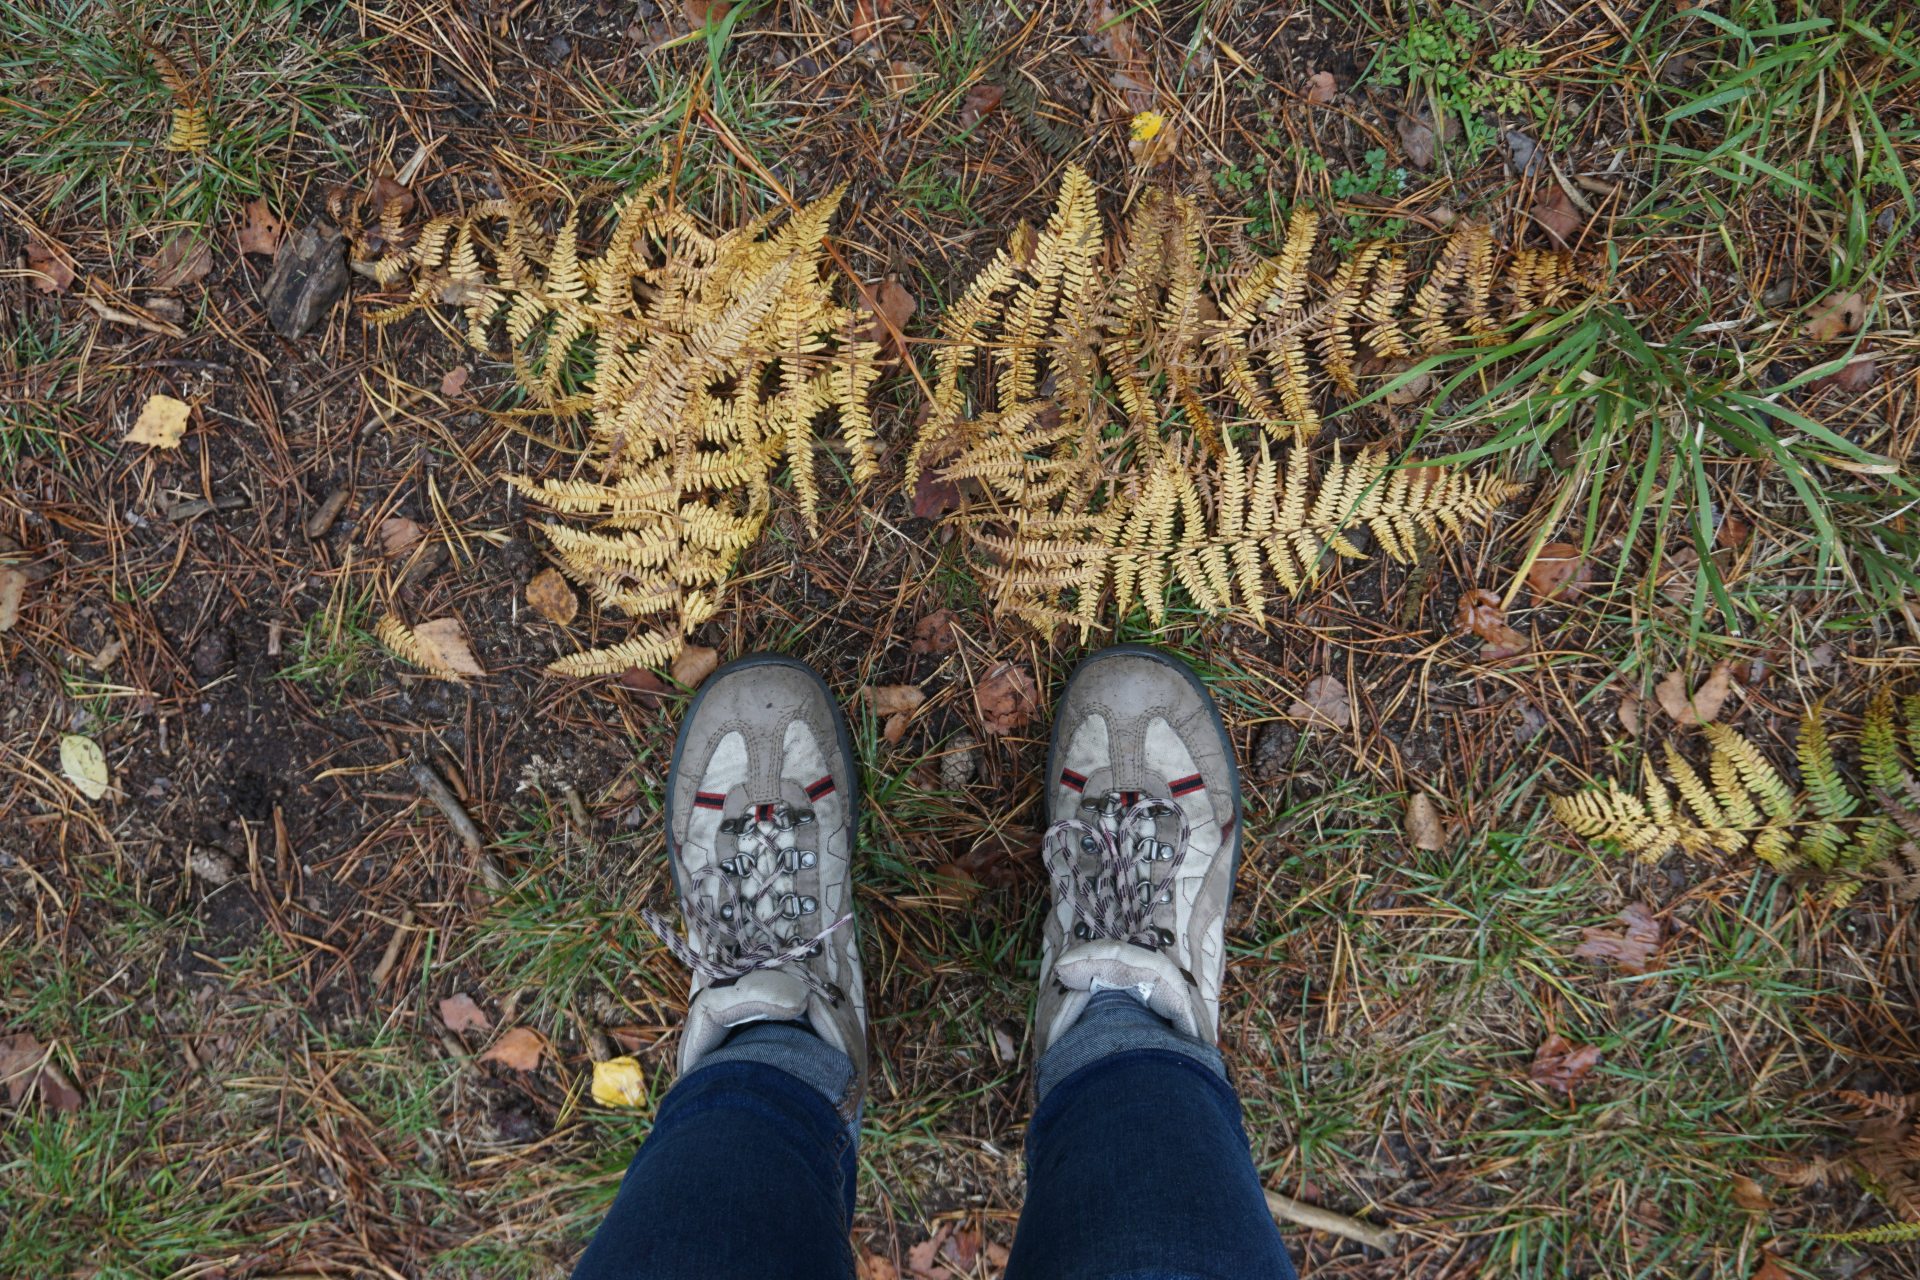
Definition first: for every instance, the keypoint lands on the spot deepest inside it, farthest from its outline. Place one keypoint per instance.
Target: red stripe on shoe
(1184, 786)
(823, 787)
(1068, 778)
(709, 800)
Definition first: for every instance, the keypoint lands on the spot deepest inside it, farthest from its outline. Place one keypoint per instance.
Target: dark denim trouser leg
(748, 1173)
(1137, 1167)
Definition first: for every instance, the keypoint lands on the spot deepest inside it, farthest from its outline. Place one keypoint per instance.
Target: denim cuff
(794, 1048)
(1115, 1022)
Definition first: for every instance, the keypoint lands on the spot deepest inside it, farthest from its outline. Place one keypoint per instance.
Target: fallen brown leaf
(1632, 711)
(13, 589)
(1112, 28)
(1415, 389)
(1321, 87)
(1324, 701)
(1631, 951)
(1859, 374)
(1481, 614)
(444, 644)
(1770, 1269)
(550, 595)
(962, 1247)
(181, 260)
(1703, 707)
(455, 380)
(398, 535)
(161, 424)
(920, 1258)
(902, 76)
(460, 1013)
(1418, 140)
(873, 1266)
(1560, 1064)
(1749, 1195)
(651, 688)
(934, 498)
(868, 15)
(894, 699)
(1732, 533)
(1425, 830)
(519, 1049)
(1559, 572)
(706, 13)
(982, 100)
(1558, 215)
(50, 270)
(895, 728)
(1007, 698)
(935, 632)
(695, 663)
(1840, 318)
(891, 304)
(25, 1065)
(261, 232)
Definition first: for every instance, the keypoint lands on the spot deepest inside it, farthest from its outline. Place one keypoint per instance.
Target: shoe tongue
(764, 995)
(1107, 965)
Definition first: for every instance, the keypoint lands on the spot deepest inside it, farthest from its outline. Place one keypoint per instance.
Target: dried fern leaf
(700, 363)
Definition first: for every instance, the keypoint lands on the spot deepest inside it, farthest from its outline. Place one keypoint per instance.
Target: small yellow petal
(1147, 126)
(619, 1082)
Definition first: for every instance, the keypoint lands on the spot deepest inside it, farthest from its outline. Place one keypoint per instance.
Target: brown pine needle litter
(1508, 410)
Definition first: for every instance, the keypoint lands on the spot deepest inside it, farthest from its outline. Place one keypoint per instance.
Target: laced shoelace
(736, 905)
(1131, 872)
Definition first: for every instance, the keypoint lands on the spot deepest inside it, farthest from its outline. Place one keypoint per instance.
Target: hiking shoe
(1143, 813)
(762, 806)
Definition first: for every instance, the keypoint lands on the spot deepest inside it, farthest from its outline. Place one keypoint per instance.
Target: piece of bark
(308, 278)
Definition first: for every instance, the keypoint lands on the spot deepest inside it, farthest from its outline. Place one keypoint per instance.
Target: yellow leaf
(84, 764)
(619, 1082)
(162, 421)
(1147, 126)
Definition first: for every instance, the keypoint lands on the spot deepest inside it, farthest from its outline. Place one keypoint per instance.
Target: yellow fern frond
(655, 649)
(699, 361)
(191, 131)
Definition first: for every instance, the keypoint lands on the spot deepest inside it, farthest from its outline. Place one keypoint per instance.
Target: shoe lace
(1128, 870)
(737, 903)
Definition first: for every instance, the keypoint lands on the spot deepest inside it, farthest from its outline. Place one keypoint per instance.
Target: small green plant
(1436, 59)
(335, 647)
(1377, 180)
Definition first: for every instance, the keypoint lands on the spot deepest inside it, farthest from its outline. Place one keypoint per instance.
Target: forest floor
(259, 977)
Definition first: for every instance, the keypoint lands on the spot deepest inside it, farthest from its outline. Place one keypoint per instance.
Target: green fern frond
(1885, 1233)
(1826, 791)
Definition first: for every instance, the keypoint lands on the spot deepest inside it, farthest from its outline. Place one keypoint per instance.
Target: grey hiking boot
(762, 808)
(1143, 813)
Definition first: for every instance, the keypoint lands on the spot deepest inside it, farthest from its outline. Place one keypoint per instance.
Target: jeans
(1137, 1167)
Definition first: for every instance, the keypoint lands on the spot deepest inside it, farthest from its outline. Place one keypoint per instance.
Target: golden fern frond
(191, 131)
(1618, 816)
(654, 649)
(700, 362)
(1345, 295)
(398, 639)
(1160, 365)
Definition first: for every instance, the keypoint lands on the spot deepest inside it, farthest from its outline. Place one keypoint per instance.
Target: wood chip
(161, 424)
